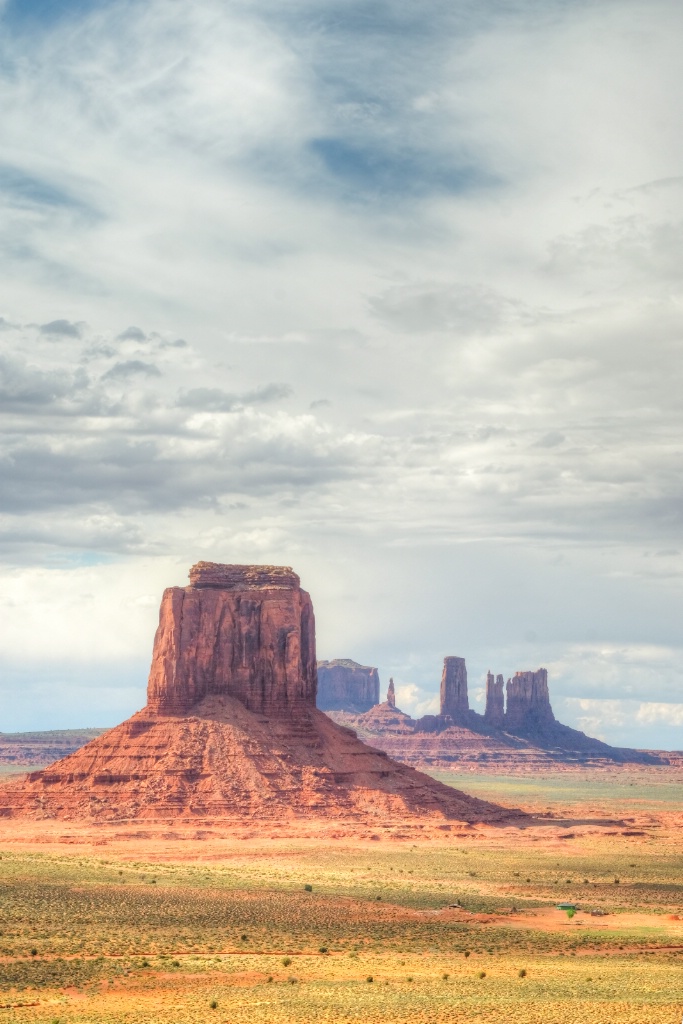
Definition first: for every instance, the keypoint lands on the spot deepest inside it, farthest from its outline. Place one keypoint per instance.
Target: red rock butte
(244, 631)
(231, 732)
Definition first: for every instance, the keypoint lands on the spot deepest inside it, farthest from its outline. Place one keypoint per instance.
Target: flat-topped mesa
(344, 685)
(494, 715)
(528, 701)
(454, 701)
(244, 631)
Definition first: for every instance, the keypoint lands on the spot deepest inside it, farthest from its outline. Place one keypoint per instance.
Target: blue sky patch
(27, 189)
(21, 13)
(372, 172)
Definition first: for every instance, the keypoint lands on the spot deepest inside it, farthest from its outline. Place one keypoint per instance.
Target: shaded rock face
(529, 734)
(246, 632)
(391, 694)
(494, 715)
(528, 702)
(454, 701)
(344, 685)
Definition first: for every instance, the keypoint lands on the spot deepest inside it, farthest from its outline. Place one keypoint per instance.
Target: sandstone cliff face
(242, 631)
(528, 702)
(344, 685)
(494, 715)
(454, 700)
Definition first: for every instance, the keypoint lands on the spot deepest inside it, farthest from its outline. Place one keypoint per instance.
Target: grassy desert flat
(149, 928)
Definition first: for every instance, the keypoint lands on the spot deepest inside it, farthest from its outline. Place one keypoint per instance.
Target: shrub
(244, 938)
(287, 961)
(369, 978)
(34, 952)
(467, 953)
(445, 976)
(269, 978)
(409, 978)
(308, 888)
(214, 1004)
(323, 949)
(570, 912)
(522, 973)
(482, 974)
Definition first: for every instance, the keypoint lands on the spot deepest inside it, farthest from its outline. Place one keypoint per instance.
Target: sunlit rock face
(243, 631)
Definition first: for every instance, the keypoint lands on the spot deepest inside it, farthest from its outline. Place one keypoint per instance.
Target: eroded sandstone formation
(242, 631)
(344, 685)
(391, 694)
(454, 699)
(528, 702)
(528, 732)
(231, 733)
(494, 715)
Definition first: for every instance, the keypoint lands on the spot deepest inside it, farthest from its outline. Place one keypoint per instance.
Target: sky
(387, 292)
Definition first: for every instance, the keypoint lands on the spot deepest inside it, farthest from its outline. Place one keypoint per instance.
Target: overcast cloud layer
(387, 292)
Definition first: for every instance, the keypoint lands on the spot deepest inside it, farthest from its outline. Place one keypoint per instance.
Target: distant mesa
(231, 732)
(518, 720)
(344, 685)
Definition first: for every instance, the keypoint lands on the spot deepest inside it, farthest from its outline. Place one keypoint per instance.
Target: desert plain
(198, 921)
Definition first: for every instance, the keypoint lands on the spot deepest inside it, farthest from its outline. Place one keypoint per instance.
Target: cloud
(550, 440)
(435, 306)
(439, 219)
(654, 713)
(132, 334)
(131, 368)
(216, 400)
(25, 387)
(63, 328)
(175, 343)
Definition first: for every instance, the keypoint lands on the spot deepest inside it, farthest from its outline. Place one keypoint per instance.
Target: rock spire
(454, 700)
(494, 715)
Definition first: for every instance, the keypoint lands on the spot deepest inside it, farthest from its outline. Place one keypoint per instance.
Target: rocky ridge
(525, 730)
